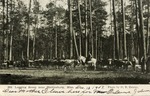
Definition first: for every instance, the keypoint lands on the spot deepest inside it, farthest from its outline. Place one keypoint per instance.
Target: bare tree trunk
(96, 44)
(34, 38)
(51, 50)
(51, 44)
(55, 39)
(86, 33)
(3, 48)
(35, 31)
(70, 26)
(11, 42)
(91, 28)
(142, 32)
(132, 28)
(75, 43)
(11, 35)
(116, 35)
(28, 31)
(124, 33)
(33, 53)
(121, 46)
(80, 25)
(138, 32)
(148, 21)
(22, 55)
(7, 32)
(101, 48)
(113, 48)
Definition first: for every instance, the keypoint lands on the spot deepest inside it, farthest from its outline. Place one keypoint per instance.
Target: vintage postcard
(74, 47)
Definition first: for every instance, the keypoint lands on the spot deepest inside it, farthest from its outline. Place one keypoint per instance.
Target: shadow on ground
(20, 79)
(119, 80)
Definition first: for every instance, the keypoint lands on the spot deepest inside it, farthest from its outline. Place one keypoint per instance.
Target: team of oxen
(65, 64)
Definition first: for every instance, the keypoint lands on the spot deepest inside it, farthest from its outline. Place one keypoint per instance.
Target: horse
(86, 63)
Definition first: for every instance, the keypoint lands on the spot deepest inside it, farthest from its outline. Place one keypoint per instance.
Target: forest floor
(39, 76)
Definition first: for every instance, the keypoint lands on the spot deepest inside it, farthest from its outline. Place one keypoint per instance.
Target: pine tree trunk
(138, 33)
(33, 53)
(80, 26)
(143, 50)
(121, 45)
(3, 48)
(132, 28)
(75, 43)
(113, 48)
(101, 48)
(96, 44)
(116, 35)
(11, 36)
(148, 21)
(7, 32)
(28, 32)
(91, 28)
(86, 33)
(51, 50)
(55, 40)
(123, 26)
(34, 38)
(70, 27)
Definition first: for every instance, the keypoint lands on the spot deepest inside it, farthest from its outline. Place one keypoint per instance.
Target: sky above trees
(62, 3)
(44, 2)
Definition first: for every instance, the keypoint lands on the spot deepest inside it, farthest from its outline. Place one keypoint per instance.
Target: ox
(87, 63)
(121, 64)
(106, 63)
(69, 63)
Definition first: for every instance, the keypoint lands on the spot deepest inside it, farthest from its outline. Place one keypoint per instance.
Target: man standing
(125, 60)
(134, 62)
(89, 57)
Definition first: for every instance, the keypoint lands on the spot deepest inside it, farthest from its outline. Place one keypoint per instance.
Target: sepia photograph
(67, 42)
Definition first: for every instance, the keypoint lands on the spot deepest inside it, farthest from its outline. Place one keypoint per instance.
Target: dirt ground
(32, 76)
